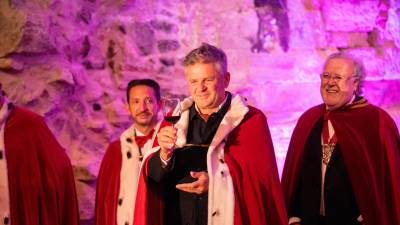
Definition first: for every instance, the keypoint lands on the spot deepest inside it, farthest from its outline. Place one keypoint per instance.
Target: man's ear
(357, 83)
(227, 79)
(160, 103)
(127, 108)
(2, 93)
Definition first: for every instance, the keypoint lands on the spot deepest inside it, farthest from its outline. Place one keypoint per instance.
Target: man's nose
(143, 106)
(203, 86)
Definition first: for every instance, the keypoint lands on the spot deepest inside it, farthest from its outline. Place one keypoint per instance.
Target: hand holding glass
(171, 108)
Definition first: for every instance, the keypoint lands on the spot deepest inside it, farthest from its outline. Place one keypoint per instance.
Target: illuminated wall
(71, 60)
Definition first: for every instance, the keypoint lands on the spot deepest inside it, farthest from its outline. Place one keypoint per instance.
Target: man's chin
(144, 123)
(333, 105)
(204, 104)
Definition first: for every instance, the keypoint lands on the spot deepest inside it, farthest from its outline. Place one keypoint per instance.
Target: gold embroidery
(327, 150)
(196, 145)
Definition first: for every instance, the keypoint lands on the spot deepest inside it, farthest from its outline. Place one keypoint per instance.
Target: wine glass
(172, 110)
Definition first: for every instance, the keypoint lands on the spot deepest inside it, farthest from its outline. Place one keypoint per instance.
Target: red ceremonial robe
(109, 180)
(370, 145)
(40, 178)
(244, 185)
(108, 186)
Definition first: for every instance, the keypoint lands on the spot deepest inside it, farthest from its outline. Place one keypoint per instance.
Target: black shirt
(183, 208)
(202, 132)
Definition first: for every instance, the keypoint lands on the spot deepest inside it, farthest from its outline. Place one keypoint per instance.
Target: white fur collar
(129, 174)
(232, 118)
(4, 191)
(221, 191)
(4, 110)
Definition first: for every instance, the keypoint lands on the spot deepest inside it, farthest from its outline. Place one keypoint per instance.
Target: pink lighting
(71, 60)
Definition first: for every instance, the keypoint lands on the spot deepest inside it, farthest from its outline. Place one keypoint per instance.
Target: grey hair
(207, 53)
(359, 69)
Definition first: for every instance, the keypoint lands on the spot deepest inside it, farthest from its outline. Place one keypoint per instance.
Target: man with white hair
(343, 162)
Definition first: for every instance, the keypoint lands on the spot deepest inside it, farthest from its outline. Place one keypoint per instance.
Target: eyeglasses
(335, 77)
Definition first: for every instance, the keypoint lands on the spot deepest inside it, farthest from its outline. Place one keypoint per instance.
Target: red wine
(172, 119)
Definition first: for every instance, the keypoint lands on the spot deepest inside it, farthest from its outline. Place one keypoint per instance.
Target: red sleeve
(65, 193)
(251, 160)
(391, 141)
(149, 205)
(41, 181)
(107, 188)
(295, 151)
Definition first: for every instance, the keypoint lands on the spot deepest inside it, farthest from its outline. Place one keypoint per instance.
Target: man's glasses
(335, 77)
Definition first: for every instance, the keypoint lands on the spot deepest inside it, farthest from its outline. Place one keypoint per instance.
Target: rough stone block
(307, 27)
(350, 15)
(347, 39)
(10, 64)
(143, 35)
(393, 26)
(168, 45)
(164, 26)
(385, 93)
(374, 63)
(11, 28)
(78, 57)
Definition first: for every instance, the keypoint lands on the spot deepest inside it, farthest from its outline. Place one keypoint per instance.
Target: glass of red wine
(172, 110)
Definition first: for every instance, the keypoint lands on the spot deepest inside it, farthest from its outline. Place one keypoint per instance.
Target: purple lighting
(71, 60)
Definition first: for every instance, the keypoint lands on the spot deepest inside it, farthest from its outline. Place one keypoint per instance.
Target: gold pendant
(327, 150)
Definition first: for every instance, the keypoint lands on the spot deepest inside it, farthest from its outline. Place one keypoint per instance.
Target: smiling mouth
(203, 96)
(143, 115)
(331, 91)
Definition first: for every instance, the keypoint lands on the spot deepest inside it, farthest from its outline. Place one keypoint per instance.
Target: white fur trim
(4, 191)
(221, 197)
(130, 169)
(183, 123)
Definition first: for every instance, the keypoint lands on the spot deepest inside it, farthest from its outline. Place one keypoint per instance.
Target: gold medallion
(327, 150)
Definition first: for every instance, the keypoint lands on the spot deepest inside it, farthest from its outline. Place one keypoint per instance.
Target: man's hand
(199, 186)
(166, 139)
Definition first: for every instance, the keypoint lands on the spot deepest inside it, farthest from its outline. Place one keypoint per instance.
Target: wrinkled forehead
(202, 69)
(339, 64)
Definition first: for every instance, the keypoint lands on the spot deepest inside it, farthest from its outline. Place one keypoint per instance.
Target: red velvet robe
(108, 186)
(250, 157)
(370, 145)
(40, 178)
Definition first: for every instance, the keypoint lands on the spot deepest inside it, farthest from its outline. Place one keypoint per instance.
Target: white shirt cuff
(294, 220)
(165, 163)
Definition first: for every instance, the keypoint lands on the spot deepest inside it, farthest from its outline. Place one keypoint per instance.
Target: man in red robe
(119, 171)
(343, 162)
(216, 165)
(36, 181)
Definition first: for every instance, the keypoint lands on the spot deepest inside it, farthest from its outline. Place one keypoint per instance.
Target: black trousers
(322, 220)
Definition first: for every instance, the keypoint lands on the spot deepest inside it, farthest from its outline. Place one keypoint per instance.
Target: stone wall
(71, 60)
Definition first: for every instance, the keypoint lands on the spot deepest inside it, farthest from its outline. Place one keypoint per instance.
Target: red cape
(108, 186)
(41, 182)
(370, 145)
(250, 157)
